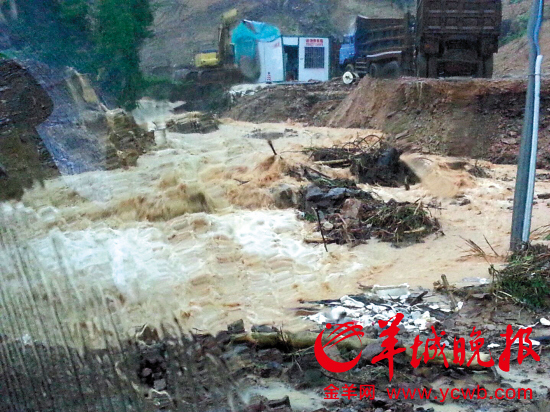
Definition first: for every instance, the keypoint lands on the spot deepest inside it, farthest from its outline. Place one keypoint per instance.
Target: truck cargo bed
(459, 16)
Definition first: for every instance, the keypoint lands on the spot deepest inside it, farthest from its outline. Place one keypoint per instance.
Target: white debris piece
(545, 322)
(395, 292)
(350, 302)
(349, 309)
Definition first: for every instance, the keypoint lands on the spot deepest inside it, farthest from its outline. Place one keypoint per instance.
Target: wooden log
(304, 340)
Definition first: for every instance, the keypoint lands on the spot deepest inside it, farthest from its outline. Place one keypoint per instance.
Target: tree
(99, 37)
(122, 26)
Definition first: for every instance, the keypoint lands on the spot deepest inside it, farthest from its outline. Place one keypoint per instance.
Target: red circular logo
(345, 331)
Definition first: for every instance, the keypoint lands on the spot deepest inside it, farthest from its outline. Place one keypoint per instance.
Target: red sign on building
(315, 42)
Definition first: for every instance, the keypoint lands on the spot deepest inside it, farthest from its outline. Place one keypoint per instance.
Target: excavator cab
(223, 55)
(207, 58)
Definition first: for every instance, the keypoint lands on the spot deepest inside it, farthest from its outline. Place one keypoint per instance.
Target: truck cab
(347, 51)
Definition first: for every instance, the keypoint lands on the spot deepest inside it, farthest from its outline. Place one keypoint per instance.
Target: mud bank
(447, 117)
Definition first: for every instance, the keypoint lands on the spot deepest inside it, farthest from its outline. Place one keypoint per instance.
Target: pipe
(524, 188)
(533, 160)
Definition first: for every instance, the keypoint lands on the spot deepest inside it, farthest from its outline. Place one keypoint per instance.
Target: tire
(432, 68)
(421, 66)
(374, 70)
(488, 67)
(391, 70)
(348, 77)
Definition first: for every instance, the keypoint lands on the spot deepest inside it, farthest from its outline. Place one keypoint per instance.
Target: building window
(315, 58)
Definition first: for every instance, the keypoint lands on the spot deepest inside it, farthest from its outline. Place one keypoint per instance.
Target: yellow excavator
(218, 66)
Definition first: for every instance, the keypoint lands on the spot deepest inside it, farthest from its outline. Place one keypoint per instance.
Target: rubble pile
(193, 122)
(372, 163)
(126, 140)
(310, 103)
(352, 216)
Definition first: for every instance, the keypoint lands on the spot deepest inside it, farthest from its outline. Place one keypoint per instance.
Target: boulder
(285, 196)
(193, 122)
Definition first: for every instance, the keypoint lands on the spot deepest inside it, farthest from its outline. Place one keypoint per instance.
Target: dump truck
(447, 38)
(457, 38)
(378, 47)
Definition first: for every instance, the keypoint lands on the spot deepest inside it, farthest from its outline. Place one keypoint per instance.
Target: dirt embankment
(457, 117)
(310, 103)
(474, 118)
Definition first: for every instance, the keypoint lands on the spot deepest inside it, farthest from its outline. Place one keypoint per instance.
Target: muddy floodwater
(193, 232)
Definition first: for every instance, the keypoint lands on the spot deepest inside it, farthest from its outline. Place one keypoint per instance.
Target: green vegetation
(514, 29)
(527, 276)
(98, 37)
(122, 26)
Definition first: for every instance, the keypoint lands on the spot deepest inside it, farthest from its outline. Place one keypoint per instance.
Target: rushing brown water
(193, 232)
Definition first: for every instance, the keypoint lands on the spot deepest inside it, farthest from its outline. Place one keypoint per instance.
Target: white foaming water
(251, 260)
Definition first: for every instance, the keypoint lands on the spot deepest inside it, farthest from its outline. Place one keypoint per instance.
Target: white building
(295, 58)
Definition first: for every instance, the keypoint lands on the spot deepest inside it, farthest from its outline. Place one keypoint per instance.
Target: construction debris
(373, 163)
(353, 216)
(193, 122)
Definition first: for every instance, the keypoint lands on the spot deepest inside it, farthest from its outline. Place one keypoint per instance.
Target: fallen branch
(321, 229)
(270, 143)
(447, 287)
(334, 162)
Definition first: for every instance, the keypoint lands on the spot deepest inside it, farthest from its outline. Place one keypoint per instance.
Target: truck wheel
(421, 66)
(374, 70)
(488, 67)
(432, 68)
(350, 68)
(391, 70)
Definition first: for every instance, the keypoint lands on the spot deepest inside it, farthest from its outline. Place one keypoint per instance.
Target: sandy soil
(182, 235)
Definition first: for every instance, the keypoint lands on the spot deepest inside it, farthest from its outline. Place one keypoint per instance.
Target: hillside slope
(183, 27)
(512, 59)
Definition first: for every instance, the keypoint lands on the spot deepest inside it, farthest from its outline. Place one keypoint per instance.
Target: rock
(544, 196)
(351, 209)
(22, 99)
(159, 385)
(236, 327)
(263, 329)
(223, 337)
(328, 226)
(285, 196)
(148, 335)
(193, 122)
(279, 402)
(146, 372)
(372, 350)
(24, 104)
